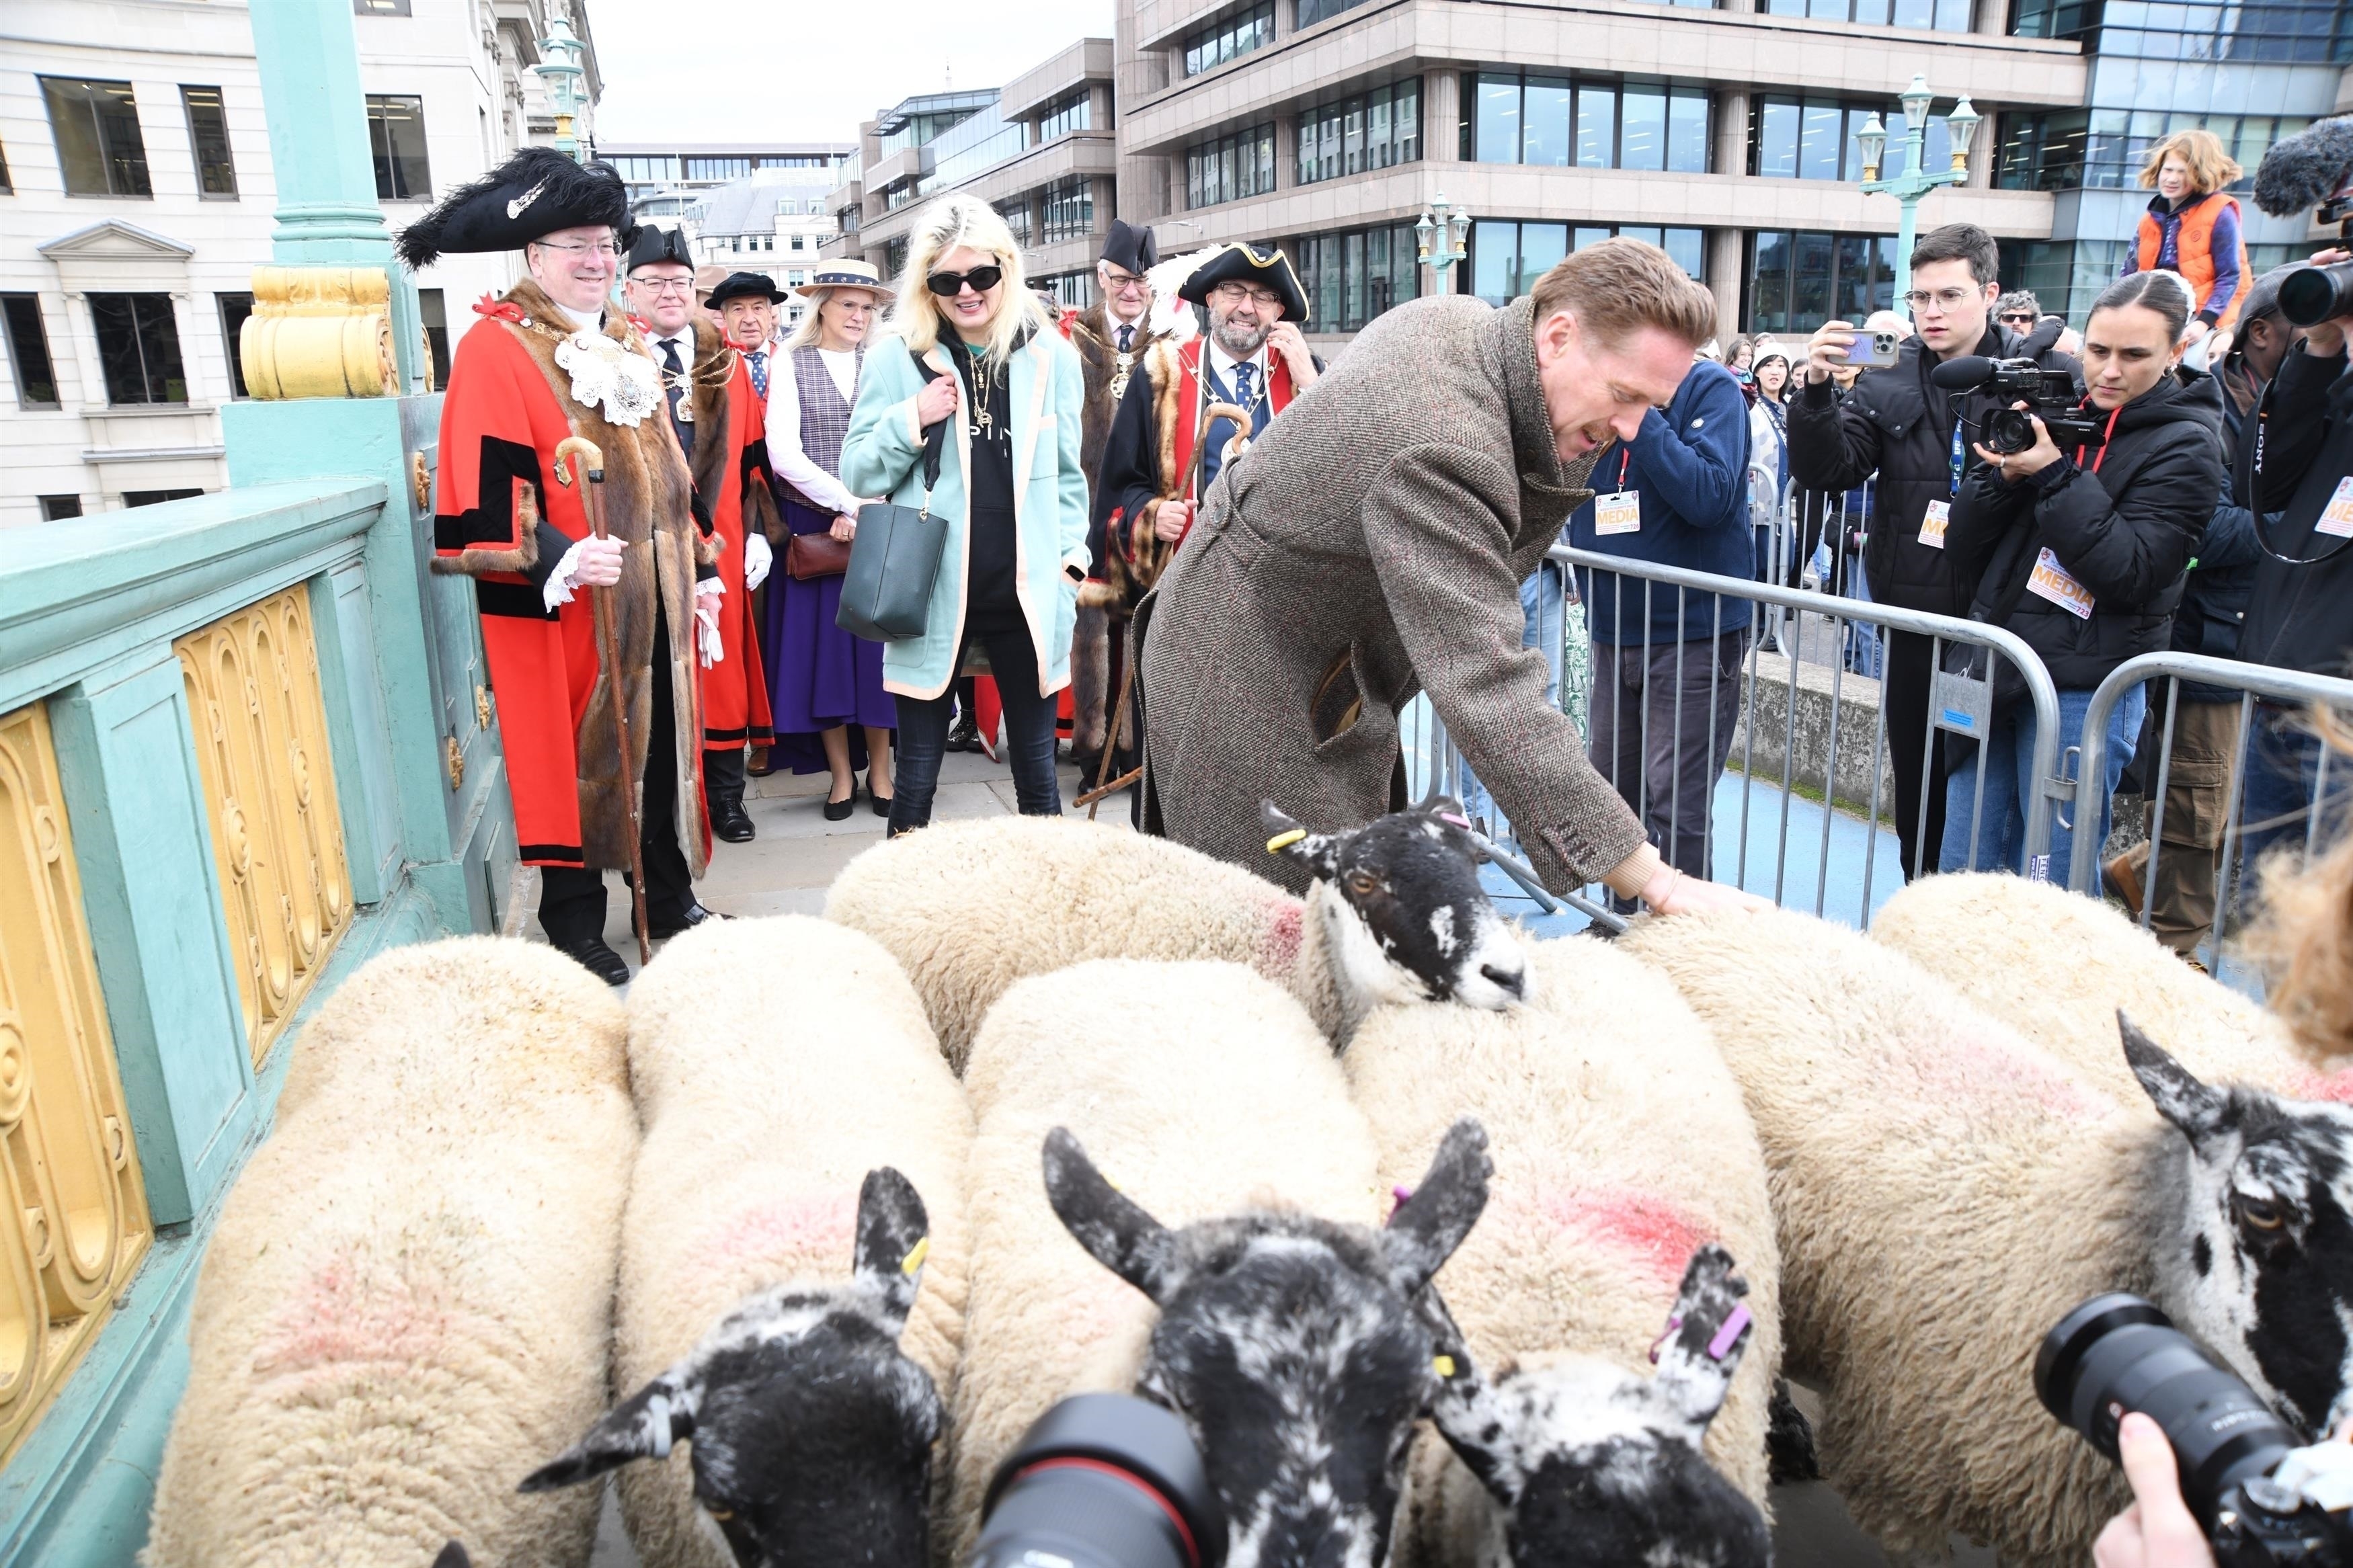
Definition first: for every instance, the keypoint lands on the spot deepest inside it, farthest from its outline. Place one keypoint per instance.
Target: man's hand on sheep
(1668, 892)
(2157, 1530)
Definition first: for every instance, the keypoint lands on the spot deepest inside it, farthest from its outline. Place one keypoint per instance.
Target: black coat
(2125, 533)
(1895, 422)
(2221, 568)
(2301, 617)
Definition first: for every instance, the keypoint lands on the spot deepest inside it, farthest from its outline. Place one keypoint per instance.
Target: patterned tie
(1127, 337)
(676, 382)
(1242, 388)
(759, 358)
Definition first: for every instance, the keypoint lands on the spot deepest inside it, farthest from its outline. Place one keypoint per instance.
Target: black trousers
(723, 773)
(1028, 735)
(571, 898)
(1904, 698)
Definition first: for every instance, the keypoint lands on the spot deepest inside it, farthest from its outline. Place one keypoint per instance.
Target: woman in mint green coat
(969, 343)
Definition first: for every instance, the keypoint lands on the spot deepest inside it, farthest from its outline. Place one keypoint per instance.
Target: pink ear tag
(1667, 1333)
(1461, 822)
(1728, 1335)
(1404, 1196)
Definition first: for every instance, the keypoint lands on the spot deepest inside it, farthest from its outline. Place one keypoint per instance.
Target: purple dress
(821, 677)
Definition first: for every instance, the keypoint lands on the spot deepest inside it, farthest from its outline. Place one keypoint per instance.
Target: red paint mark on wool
(1281, 920)
(346, 1312)
(820, 1227)
(2334, 1087)
(1653, 1231)
(1967, 1069)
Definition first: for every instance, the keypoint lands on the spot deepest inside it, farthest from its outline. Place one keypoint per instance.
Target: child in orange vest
(2192, 228)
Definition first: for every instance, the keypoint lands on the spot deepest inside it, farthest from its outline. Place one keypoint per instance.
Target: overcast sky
(794, 70)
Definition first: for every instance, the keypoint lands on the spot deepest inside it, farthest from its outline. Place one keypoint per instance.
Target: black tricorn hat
(1265, 265)
(745, 286)
(1131, 246)
(536, 192)
(654, 244)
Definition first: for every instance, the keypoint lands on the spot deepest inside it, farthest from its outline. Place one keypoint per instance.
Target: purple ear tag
(1728, 1335)
(1461, 822)
(1404, 1196)
(1665, 1334)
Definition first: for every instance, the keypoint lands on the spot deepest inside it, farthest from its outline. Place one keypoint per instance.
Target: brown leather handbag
(809, 555)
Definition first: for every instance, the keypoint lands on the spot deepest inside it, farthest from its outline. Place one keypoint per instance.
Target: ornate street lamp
(1915, 181)
(1441, 237)
(560, 69)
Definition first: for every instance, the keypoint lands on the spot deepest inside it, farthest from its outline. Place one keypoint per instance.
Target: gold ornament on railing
(269, 789)
(75, 1225)
(320, 331)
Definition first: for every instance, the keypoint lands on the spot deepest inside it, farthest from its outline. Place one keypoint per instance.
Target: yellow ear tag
(1282, 841)
(915, 1255)
(1445, 1365)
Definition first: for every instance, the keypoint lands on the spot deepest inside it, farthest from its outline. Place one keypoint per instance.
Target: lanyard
(1958, 455)
(2104, 435)
(1625, 456)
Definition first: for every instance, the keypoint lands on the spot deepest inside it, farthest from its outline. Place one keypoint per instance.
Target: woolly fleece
(775, 1062)
(406, 1301)
(1946, 1191)
(2056, 966)
(1204, 1090)
(969, 908)
(1621, 1145)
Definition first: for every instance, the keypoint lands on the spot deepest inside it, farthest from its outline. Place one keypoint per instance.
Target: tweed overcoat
(1369, 547)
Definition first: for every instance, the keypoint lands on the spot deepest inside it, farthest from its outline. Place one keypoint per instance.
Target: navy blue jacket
(1689, 464)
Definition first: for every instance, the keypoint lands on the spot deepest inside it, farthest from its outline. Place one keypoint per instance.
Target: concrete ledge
(1773, 712)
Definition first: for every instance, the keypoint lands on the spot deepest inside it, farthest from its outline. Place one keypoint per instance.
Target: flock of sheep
(1449, 1246)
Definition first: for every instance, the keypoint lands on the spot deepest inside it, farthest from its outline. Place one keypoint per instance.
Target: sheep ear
(453, 1556)
(1477, 1424)
(1116, 1232)
(2198, 1110)
(642, 1426)
(1708, 1331)
(1319, 852)
(894, 1235)
(1426, 1229)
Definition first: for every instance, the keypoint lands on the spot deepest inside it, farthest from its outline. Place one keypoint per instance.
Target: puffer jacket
(1895, 422)
(2300, 616)
(2122, 516)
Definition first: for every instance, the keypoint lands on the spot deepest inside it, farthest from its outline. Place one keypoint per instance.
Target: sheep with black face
(969, 908)
(811, 1432)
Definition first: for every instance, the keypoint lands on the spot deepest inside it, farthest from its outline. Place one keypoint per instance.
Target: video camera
(2313, 168)
(1103, 1480)
(2049, 395)
(2254, 1488)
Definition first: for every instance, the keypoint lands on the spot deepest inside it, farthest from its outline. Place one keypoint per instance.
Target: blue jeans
(2276, 805)
(2011, 788)
(1543, 609)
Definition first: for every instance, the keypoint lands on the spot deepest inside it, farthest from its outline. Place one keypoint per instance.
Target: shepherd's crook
(608, 653)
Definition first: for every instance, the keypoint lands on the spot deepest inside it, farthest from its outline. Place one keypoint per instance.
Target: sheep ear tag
(915, 1255)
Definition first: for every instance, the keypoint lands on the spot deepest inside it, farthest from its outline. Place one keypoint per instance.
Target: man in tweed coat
(1372, 547)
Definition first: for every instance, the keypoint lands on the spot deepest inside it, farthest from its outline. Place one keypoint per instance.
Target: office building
(682, 170)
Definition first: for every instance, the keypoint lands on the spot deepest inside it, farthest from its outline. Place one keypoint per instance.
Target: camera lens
(2117, 1353)
(2311, 295)
(1103, 1480)
(2009, 430)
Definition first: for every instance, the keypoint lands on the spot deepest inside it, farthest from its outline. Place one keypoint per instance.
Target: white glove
(757, 559)
(706, 594)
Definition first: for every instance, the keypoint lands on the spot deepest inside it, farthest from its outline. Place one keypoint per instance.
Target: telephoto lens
(1103, 1480)
(2117, 1353)
(2311, 295)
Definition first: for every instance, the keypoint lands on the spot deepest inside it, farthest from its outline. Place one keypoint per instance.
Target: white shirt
(786, 455)
(1221, 364)
(683, 338)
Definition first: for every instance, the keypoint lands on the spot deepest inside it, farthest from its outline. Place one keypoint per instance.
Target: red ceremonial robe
(502, 517)
(736, 689)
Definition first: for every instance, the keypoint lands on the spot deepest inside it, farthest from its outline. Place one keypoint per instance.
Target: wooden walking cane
(1236, 445)
(584, 455)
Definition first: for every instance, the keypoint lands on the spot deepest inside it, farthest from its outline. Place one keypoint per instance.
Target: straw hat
(844, 275)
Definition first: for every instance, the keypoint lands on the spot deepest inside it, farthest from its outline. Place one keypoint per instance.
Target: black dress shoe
(882, 802)
(731, 822)
(964, 735)
(591, 954)
(694, 915)
(840, 810)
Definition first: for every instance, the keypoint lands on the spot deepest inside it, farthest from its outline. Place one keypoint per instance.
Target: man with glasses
(1112, 337)
(554, 358)
(2018, 310)
(1914, 443)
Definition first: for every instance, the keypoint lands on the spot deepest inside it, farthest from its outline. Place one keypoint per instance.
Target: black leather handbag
(894, 560)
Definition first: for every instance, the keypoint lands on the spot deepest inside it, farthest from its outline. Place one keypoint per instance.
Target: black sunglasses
(2020, 316)
(948, 285)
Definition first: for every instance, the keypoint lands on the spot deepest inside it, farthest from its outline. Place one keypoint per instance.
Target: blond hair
(939, 228)
(1617, 287)
(2303, 939)
(2210, 168)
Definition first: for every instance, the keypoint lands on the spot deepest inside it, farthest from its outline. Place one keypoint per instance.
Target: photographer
(1898, 422)
(2081, 555)
(2158, 1530)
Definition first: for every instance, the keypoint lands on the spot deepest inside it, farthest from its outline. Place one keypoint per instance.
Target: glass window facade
(1814, 139)
(970, 147)
(396, 137)
(1069, 210)
(650, 169)
(1591, 122)
(1307, 13)
(1015, 214)
(1506, 257)
(1072, 111)
(99, 148)
(1352, 276)
(1935, 15)
(28, 352)
(139, 346)
(2102, 149)
(2305, 31)
(1229, 37)
(1376, 130)
(1231, 168)
(208, 137)
(1796, 281)
(234, 307)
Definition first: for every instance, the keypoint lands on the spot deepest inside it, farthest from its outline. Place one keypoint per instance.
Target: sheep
(1946, 1190)
(1285, 1333)
(971, 907)
(2056, 966)
(777, 1064)
(410, 1286)
(1622, 1148)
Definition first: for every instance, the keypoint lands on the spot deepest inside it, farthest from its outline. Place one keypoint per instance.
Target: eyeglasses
(2019, 319)
(1234, 293)
(856, 307)
(1122, 282)
(574, 247)
(665, 285)
(948, 285)
(1942, 298)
